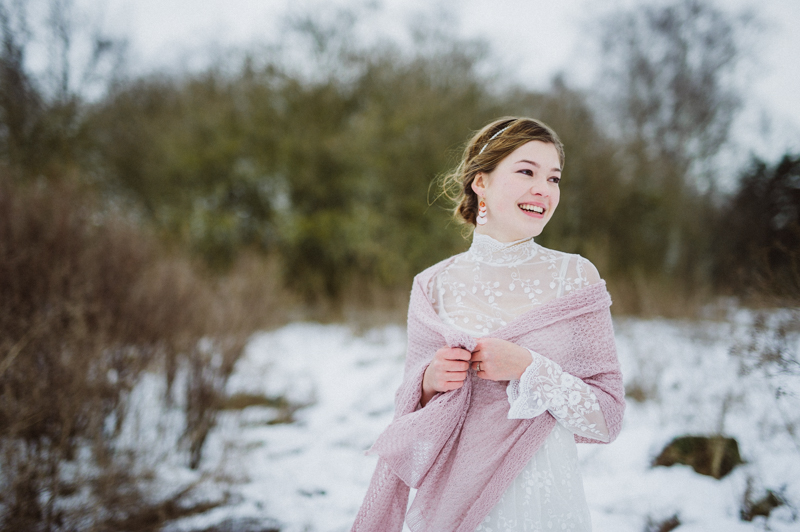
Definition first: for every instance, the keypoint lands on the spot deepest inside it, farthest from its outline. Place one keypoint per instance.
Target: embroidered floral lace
(481, 291)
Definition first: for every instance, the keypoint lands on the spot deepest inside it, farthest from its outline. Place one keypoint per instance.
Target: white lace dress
(481, 291)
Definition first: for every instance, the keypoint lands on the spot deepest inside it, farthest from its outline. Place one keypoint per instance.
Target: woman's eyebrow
(537, 165)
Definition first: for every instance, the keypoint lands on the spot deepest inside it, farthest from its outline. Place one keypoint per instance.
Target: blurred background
(178, 177)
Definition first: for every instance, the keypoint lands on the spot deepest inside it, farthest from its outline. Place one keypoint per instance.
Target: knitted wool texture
(460, 451)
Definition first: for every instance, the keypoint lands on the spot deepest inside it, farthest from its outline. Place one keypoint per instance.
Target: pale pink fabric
(461, 451)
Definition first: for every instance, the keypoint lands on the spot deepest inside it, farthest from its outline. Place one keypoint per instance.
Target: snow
(311, 475)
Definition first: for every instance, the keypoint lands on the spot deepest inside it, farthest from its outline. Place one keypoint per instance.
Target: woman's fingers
(456, 353)
(450, 366)
(450, 380)
(456, 365)
(452, 385)
(478, 361)
(481, 370)
(483, 359)
(455, 376)
(454, 370)
(496, 359)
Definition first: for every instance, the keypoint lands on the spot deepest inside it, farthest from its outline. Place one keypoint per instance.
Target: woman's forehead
(537, 153)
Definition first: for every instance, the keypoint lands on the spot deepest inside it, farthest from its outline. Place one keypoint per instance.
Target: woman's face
(521, 194)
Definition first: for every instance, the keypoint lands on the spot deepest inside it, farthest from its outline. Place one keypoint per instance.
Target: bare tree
(20, 103)
(40, 109)
(669, 70)
(669, 84)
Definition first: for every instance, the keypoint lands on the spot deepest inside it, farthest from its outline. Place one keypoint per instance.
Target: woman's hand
(499, 360)
(447, 371)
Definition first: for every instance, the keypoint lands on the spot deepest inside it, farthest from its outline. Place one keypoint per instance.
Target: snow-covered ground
(311, 475)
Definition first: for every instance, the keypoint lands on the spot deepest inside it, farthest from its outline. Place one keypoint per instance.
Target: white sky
(530, 39)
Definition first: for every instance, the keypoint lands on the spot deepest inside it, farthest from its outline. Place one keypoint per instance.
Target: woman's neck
(503, 237)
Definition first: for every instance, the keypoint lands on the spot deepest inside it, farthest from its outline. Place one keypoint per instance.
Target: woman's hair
(483, 153)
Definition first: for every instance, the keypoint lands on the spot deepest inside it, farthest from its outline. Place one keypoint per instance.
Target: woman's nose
(539, 188)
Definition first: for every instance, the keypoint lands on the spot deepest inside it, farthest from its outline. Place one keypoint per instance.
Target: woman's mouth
(531, 209)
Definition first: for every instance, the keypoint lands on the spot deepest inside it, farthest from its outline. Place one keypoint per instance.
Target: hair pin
(492, 138)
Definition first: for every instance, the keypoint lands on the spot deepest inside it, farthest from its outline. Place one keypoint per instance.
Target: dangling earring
(481, 212)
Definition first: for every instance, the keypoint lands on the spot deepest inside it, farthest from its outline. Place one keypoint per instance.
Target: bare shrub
(771, 348)
(88, 303)
(763, 506)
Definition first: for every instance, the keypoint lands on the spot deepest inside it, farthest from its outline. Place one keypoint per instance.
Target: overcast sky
(531, 40)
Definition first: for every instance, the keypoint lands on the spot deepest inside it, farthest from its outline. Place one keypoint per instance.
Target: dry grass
(653, 297)
(240, 401)
(88, 303)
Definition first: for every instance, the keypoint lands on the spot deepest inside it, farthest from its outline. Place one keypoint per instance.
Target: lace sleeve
(544, 386)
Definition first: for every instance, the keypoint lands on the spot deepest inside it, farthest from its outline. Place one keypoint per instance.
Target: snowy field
(691, 378)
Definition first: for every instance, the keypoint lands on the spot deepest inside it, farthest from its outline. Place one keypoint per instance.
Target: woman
(511, 360)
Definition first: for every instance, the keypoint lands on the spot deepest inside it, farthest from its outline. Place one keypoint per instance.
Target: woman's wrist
(427, 390)
(525, 359)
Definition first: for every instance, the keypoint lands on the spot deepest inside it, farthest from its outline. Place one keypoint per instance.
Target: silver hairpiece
(493, 137)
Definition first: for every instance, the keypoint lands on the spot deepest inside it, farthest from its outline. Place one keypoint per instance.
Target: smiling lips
(532, 209)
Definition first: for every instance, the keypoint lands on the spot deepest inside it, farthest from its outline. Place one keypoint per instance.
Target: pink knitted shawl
(460, 451)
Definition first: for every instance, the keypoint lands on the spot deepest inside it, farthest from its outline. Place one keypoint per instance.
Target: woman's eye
(555, 179)
(526, 172)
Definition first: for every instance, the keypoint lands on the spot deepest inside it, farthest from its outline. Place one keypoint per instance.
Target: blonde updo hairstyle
(484, 151)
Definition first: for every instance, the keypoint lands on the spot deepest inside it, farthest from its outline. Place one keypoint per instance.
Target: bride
(511, 361)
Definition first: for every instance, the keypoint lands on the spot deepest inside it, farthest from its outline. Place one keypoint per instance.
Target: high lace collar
(490, 251)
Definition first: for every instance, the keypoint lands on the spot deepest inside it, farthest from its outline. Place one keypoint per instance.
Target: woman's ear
(479, 184)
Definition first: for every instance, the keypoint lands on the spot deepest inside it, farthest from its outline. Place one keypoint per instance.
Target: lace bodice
(486, 288)
(493, 283)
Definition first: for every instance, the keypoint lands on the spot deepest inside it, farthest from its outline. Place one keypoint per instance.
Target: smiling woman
(521, 193)
(511, 361)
